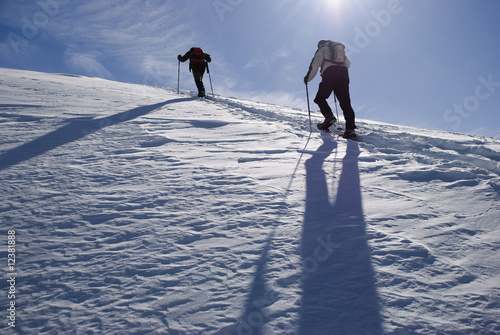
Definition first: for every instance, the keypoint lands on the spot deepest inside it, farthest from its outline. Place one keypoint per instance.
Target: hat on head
(321, 43)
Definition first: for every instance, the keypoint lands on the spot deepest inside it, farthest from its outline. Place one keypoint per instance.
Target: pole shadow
(339, 293)
(73, 131)
(260, 296)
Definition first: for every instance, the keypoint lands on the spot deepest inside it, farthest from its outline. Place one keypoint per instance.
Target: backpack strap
(333, 56)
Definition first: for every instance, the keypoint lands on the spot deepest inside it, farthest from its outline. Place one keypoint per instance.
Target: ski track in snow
(141, 211)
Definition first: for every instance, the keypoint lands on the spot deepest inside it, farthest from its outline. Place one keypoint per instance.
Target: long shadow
(339, 293)
(73, 131)
(260, 296)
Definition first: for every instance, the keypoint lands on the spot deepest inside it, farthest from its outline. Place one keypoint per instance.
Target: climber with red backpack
(197, 64)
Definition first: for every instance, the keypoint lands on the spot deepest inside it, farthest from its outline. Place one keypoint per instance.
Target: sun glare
(334, 8)
(335, 4)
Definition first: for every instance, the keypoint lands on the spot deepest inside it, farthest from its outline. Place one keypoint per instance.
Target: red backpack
(197, 55)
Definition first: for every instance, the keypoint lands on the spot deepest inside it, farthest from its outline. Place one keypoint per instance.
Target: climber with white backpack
(331, 58)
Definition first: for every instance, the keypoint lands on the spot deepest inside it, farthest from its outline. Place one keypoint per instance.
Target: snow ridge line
(470, 150)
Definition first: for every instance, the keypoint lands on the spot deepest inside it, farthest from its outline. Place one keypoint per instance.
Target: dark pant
(336, 80)
(198, 79)
(198, 71)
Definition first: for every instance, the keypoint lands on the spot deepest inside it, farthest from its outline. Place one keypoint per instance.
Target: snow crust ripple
(140, 211)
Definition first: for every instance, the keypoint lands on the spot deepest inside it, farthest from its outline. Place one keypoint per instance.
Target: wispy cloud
(88, 63)
(124, 40)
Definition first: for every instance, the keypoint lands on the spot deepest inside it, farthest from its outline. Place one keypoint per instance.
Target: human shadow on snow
(339, 293)
(260, 296)
(73, 131)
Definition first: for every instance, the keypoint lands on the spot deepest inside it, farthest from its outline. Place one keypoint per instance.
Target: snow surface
(141, 211)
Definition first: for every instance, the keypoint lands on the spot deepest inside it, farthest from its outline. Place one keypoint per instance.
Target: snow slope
(140, 211)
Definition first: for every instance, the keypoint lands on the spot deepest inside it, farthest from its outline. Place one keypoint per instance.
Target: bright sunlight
(334, 4)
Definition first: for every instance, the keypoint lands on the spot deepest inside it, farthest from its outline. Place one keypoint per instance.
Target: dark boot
(329, 121)
(349, 133)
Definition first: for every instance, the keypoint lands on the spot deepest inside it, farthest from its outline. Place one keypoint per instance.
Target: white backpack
(337, 53)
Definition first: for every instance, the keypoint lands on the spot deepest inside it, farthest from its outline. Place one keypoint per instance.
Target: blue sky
(424, 63)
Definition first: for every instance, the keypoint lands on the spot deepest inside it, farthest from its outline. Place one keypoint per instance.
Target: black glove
(179, 57)
(305, 79)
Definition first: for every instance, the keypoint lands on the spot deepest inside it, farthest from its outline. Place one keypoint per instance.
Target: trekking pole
(178, 74)
(336, 110)
(210, 78)
(308, 108)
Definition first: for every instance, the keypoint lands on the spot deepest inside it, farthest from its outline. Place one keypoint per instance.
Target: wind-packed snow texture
(140, 211)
